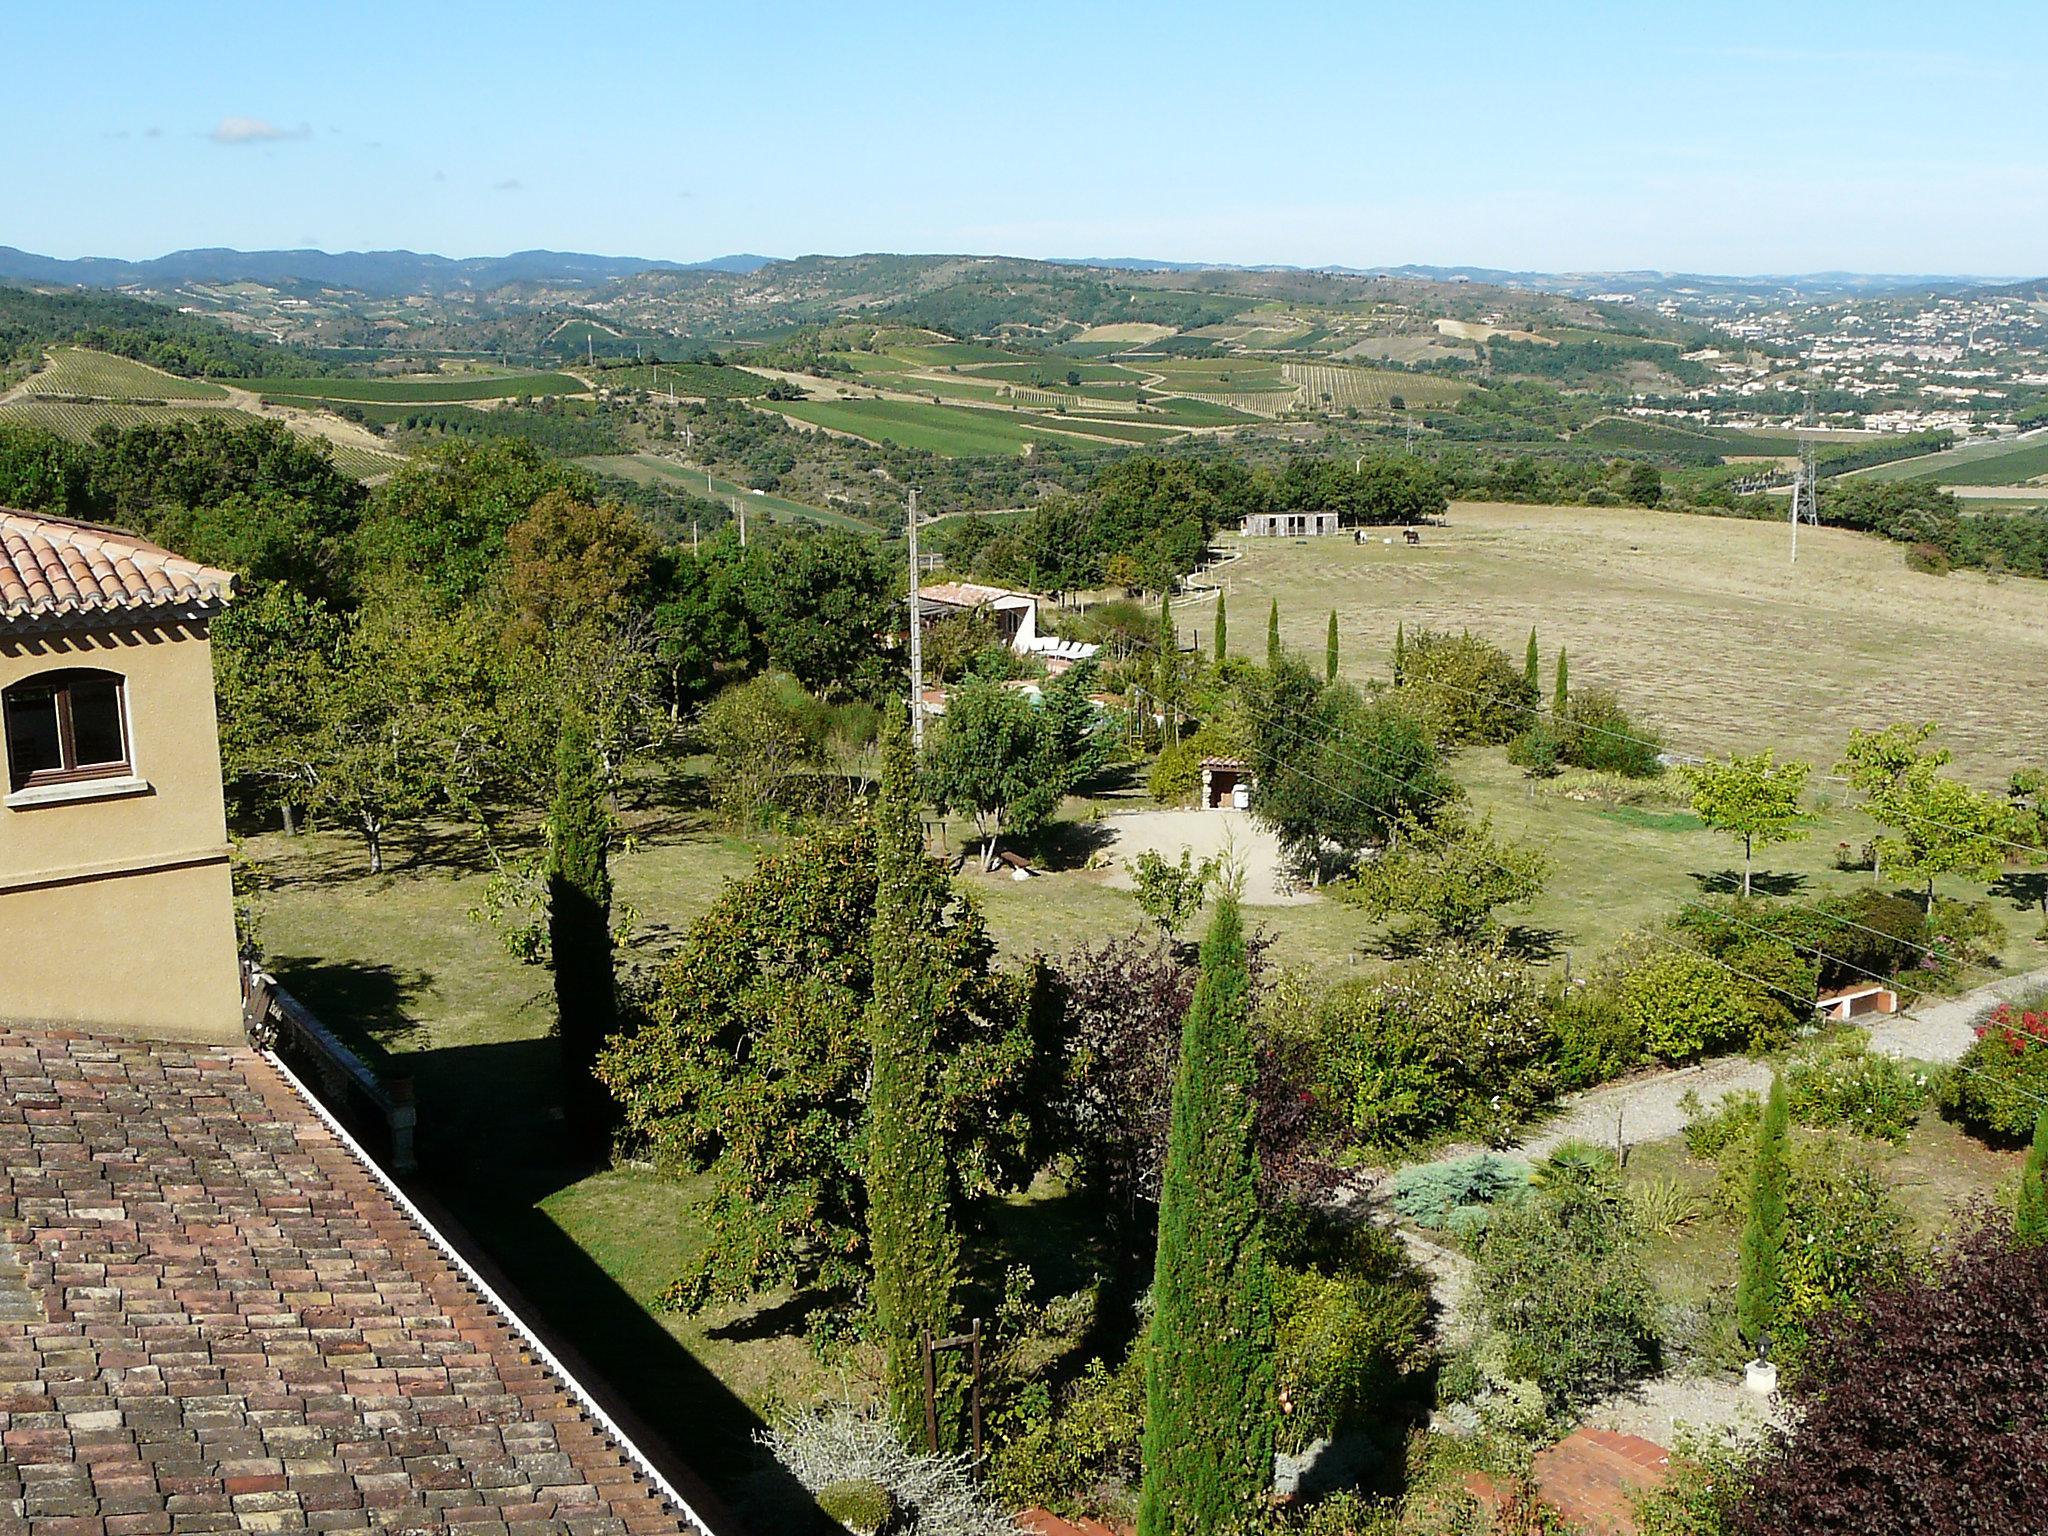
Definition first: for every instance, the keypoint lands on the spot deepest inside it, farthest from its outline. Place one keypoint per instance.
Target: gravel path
(1943, 1031)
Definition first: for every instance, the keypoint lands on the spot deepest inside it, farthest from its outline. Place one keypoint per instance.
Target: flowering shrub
(1850, 1089)
(1996, 1090)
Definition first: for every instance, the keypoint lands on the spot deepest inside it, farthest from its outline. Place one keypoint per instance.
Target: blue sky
(1726, 138)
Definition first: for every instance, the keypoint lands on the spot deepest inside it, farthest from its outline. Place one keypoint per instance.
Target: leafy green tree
(1877, 765)
(1330, 767)
(1273, 634)
(1452, 876)
(1753, 798)
(272, 653)
(1222, 628)
(2032, 1222)
(915, 1249)
(1330, 651)
(752, 1063)
(1171, 894)
(702, 628)
(761, 733)
(1531, 667)
(1473, 691)
(1006, 762)
(580, 924)
(1942, 826)
(1210, 1369)
(1760, 1292)
(820, 601)
(443, 516)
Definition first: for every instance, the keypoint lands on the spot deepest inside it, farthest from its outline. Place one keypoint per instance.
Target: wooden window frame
(71, 771)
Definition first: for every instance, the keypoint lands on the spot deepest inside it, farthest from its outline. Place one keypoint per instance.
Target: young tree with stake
(1753, 798)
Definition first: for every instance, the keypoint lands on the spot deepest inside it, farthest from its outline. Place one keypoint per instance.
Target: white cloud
(510, 184)
(255, 130)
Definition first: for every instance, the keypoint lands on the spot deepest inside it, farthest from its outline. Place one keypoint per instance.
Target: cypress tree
(1209, 1374)
(1222, 628)
(580, 923)
(2033, 1217)
(1760, 1291)
(1531, 669)
(1330, 650)
(1273, 634)
(1400, 653)
(1560, 698)
(915, 1251)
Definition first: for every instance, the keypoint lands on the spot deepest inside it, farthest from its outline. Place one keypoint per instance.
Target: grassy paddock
(1701, 624)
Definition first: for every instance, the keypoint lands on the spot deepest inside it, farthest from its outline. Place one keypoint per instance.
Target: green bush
(1429, 1194)
(1476, 692)
(859, 1504)
(1561, 1281)
(1850, 1089)
(1176, 776)
(1079, 1456)
(1458, 1038)
(1599, 1037)
(1351, 1322)
(1598, 734)
(1710, 1132)
(1539, 751)
(1706, 1482)
(1685, 1006)
(1995, 1091)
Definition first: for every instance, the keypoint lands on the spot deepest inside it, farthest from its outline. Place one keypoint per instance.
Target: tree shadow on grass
(2027, 890)
(1527, 941)
(1063, 845)
(366, 1004)
(1764, 882)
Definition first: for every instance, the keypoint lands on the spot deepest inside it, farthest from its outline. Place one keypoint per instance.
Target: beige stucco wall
(118, 912)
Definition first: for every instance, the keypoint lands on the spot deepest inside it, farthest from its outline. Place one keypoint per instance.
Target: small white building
(1015, 614)
(1289, 525)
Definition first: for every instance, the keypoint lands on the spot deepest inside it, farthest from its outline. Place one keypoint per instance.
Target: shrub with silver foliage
(841, 1443)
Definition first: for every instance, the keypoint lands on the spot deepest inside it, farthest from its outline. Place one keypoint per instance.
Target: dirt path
(1942, 1031)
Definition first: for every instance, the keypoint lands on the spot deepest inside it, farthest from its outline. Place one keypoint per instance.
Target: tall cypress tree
(1210, 1375)
(2032, 1226)
(916, 1253)
(1531, 668)
(580, 923)
(1400, 653)
(1330, 650)
(1560, 698)
(1760, 1292)
(1273, 634)
(1222, 627)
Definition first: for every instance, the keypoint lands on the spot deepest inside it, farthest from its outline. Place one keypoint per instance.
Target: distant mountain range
(393, 273)
(381, 273)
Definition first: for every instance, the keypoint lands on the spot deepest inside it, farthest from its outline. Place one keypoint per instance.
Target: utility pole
(916, 632)
(739, 510)
(693, 535)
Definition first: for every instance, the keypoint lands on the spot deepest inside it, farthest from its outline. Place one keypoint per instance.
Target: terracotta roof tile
(52, 566)
(222, 1321)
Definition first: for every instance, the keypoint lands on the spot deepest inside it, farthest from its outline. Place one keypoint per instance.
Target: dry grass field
(1702, 625)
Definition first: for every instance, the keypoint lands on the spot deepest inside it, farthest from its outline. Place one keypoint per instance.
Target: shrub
(1176, 775)
(1921, 1411)
(841, 1445)
(1598, 734)
(1707, 1478)
(1538, 751)
(1928, 559)
(1685, 1006)
(1846, 1232)
(1429, 1194)
(1560, 1280)
(1994, 1092)
(860, 1504)
(1599, 1037)
(1475, 691)
(1457, 1039)
(1710, 1132)
(1351, 1320)
(1848, 1088)
(1080, 1458)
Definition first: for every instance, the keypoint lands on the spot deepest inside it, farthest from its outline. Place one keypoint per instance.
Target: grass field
(700, 380)
(1700, 623)
(421, 390)
(82, 371)
(2008, 462)
(651, 469)
(945, 429)
(1227, 376)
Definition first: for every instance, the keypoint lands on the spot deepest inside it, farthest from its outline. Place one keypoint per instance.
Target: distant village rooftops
(54, 568)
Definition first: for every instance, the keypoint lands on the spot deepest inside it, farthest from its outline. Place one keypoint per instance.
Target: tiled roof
(965, 594)
(231, 1325)
(51, 566)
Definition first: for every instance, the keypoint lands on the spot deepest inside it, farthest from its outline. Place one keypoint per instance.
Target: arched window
(65, 726)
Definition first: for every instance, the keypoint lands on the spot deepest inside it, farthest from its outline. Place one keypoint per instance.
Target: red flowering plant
(2000, 1085)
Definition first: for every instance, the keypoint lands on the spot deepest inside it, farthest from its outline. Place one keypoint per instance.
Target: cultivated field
(946, 429)
(1370, 389)
(78, 420)
(425, 389)
(103, 376)
(1701, 624)
(2010, 462)
(702, 381)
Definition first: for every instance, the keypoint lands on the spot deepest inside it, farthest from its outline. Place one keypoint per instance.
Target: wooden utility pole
(739, 510)
(916, 632)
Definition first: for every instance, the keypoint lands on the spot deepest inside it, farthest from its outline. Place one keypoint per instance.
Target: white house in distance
(1289, 525)
(1015, 614)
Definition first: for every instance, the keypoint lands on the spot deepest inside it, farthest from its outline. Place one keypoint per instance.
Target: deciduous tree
(1753, 798)
(580, 925)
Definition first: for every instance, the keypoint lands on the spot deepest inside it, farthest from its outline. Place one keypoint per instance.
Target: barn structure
(1289, 525)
